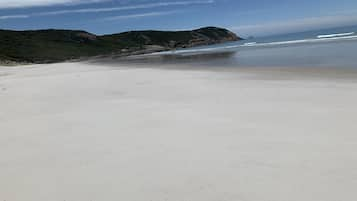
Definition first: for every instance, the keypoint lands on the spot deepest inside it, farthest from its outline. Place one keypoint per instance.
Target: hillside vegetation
(47, 46)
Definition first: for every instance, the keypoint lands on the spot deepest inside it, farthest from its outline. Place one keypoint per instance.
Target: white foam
(255, 44)
(306, 41)
(335, 35)
(250, 44)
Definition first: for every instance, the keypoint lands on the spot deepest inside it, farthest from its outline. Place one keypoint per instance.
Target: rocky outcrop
(211, 35)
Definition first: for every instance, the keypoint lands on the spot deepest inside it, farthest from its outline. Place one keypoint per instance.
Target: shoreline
(9, 63)
(268, 72)
(265, 72)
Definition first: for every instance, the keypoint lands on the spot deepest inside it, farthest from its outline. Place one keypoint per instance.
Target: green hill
(47, 46)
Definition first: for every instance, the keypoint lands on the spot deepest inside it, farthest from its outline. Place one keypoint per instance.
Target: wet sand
(82, 132)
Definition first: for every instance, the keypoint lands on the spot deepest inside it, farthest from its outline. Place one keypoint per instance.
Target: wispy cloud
(32, 3)
(122, 8)
(109, 9)
(141, 15)
(289, 26)
(5, 17)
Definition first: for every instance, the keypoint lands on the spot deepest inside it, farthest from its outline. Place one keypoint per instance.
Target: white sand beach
(80, 132)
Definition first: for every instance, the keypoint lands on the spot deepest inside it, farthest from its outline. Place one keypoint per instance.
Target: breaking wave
(239, 46)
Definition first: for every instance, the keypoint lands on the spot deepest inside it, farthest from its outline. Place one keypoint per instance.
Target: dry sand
(80, 132)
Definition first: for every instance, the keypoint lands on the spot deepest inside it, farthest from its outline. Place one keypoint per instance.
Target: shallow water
(291, 50)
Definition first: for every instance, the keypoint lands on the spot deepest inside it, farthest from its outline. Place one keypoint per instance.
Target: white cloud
(141, 15)
(298, 25)
(134, 7)
(4, 17)
(109, 9)
(31, 3)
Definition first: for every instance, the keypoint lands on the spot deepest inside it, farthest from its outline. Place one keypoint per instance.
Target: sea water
(328, 48)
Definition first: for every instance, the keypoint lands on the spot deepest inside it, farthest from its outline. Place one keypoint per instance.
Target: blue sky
(245, 17)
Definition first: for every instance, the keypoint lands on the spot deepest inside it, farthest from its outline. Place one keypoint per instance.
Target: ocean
(327, 48)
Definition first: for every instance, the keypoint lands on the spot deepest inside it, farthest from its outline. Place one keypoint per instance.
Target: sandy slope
(93, 133)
